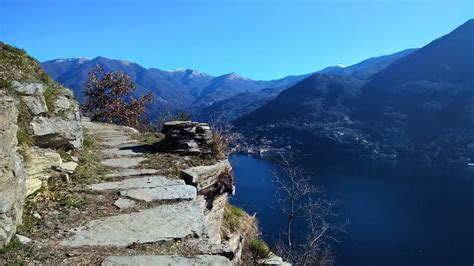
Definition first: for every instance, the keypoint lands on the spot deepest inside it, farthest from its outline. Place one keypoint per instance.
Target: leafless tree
(298, 198)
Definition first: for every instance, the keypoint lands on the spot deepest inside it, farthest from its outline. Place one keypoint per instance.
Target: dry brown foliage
(109, 100)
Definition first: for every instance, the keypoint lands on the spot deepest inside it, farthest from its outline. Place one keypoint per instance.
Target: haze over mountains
(421, 106)
(227, 97)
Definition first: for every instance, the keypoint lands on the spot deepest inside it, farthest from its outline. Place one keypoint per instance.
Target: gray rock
(214, 216)
(40, 166)
(54, 132)
(124, 162)
(205, 176)
(274, 260)
(124, 203)
(116, 152)
(12, 175)
(36, 104)
(187, 137)
(161, 223)
(119, 141)
(139, 182)
(69, 167)
(62, 103)
(27, 88)
(209, 260)
(23, 239)
(175, 192)
(132, 172)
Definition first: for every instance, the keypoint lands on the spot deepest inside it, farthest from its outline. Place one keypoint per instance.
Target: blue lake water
(400, 212)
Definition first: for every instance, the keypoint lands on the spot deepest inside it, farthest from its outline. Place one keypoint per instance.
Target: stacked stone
(187, 137)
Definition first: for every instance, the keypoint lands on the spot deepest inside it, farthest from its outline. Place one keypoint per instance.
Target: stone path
(179, 215)
(208, 260)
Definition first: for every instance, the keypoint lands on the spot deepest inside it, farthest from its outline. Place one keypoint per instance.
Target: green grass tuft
(50, 94)
(259, 249)
(232, 216)
(8, 87)
(76, 202)
(24, 139)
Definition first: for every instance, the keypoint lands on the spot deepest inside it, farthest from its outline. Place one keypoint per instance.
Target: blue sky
(260, 39)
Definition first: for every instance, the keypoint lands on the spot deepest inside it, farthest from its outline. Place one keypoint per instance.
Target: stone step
(138, 182)
(211, 260)
(120, 142)
(177, 192)
(132, 172)
(117, 152)
(125, 162)
(161, 223)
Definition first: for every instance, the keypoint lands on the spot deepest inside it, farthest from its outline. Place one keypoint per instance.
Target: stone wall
(187, 137)
(12, 175)
(49, 126)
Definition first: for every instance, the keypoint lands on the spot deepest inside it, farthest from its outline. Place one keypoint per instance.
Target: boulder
(56, 131)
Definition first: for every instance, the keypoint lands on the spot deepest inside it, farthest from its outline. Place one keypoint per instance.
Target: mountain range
(204, 96)
(420, 106)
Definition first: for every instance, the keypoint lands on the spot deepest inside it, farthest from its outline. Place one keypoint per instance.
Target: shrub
(108, 99)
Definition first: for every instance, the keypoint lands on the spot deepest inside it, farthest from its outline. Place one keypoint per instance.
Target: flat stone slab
(119, 141)
(115, 152)
(132, 172)
(124, 203)
(138, 182)
(124, 162)
(211, 260)
(161, 223)
(177, 192)
(205, 176)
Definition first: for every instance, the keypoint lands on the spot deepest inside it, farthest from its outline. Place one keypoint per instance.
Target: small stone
(23, 239)
(37, 215)
(124, 203)
(74, 158)
(69, 167)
